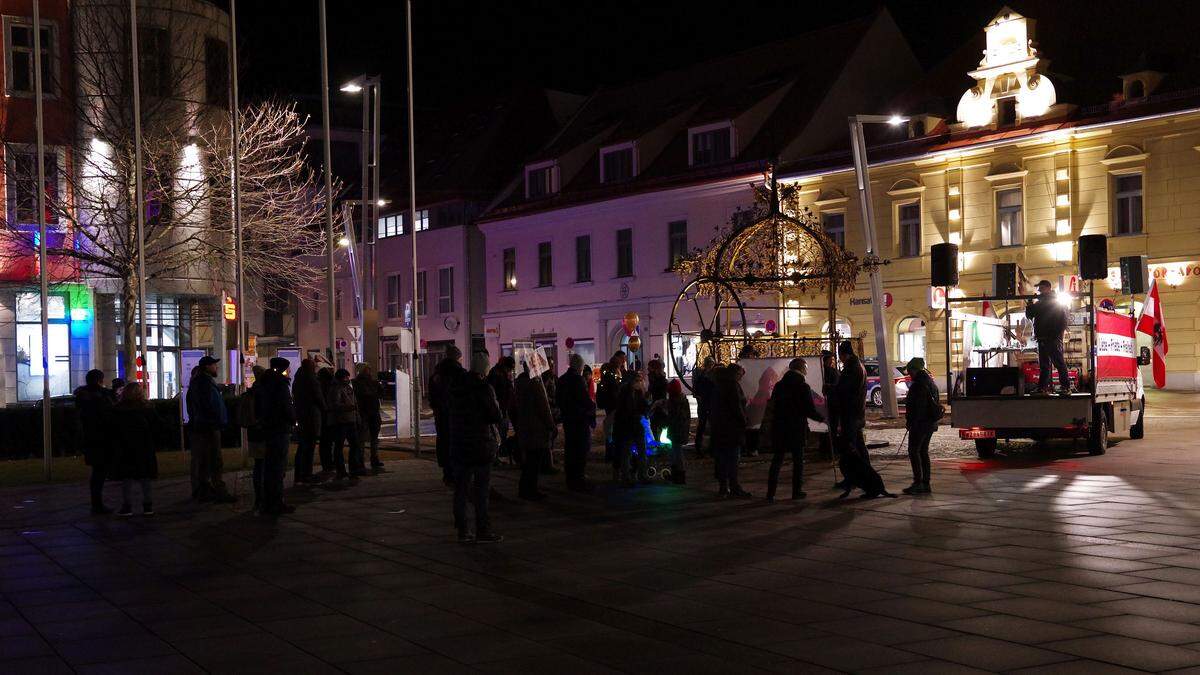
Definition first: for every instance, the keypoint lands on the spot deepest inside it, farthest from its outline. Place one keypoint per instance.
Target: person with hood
(207, 416)
(135, 429)
(702, 387)
(368, 393)
(728, 429)
(1050, 318)
(343, 409)
(792, 407)
(679, 423)
(629, 435)
(94, 403)
(325, 383)
(534, 430)
(474, 442)
(310, 409)
(444, 373)
(922, 410)
(275, 415)
(578, 419)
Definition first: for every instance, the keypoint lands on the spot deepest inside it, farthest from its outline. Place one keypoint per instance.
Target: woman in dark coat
(134, 428)
(728, 428)
(922, 411)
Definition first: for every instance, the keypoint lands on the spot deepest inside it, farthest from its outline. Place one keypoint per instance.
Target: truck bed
(1021, 412)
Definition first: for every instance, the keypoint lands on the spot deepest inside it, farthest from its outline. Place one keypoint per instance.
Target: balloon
(630, 322)
(635, 343)
(570, 343)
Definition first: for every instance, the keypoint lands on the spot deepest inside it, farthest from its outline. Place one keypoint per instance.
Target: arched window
(843, 327)
(911, 337)
(1137, 89)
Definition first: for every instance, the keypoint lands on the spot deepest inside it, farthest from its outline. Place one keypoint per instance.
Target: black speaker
(1093, 256)
(1004, 280)
(943, 265)
(1001, 381)
(1135, 275)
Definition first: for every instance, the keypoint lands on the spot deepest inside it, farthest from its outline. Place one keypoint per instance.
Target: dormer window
(1006, 112)
(710, 144)
(541, 180)
(618, 163)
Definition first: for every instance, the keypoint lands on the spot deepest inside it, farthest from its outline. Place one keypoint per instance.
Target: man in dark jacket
(474, 441)
(276, 415)
(1049, 318)
(501, 380)
(848, 404)
(829, 378)
(922, 410)
(792, 407)
(578, 419)
(95, 403)
(728, 428)
(702, 387)
(368, 393)
(444, 373)
(534, 430)
(310, 409)
(207, 416)
(325, 382)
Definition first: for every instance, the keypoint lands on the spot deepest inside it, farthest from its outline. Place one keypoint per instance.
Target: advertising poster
(189, 359)
(759, 382)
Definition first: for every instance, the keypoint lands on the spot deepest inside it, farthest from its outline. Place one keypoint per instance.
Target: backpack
(606, 393)
(939, 410)
(247, 410)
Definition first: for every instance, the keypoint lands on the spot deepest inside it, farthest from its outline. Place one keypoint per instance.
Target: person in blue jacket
(207, 416)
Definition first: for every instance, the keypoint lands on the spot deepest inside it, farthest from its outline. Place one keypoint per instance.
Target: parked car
(875, 392)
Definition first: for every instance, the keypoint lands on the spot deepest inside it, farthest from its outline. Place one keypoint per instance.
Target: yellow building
(1017, 176)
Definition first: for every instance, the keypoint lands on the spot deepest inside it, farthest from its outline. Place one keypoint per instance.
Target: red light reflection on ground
(1001, 464)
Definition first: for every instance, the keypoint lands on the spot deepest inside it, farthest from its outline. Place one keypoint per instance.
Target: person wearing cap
(207, 416)
(792, 406)
(1049, 318)
(276, 417)
(922, 410)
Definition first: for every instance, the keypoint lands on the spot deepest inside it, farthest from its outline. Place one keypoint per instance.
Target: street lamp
(368, 87)
(859, 148)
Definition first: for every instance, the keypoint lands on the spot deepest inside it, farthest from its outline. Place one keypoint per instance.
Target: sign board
(320, 359)
(1116, 346)
(355, 331)
(229, 309)
(341, 343)
(538, 364)
(937, 297)
(189, 359)
(522, 352)
(759, 383)
(294, 356)
(403, 405)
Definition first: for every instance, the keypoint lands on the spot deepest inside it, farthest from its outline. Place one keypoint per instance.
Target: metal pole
(238, 245)
(859, 147)
(329, 299)
(139, 190)
(949, 366)
(365, 212)
(373, 230)
(412, 209)
(43, 277)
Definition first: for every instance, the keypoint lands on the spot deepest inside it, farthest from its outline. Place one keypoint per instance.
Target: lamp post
(859, 149)
(412, 210)
(369, 87)
(43, 279)
(329, 244)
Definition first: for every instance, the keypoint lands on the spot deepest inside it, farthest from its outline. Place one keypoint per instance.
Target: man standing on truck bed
(1049, 318)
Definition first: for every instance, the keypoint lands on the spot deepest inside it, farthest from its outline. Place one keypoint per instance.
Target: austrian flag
(1153, 323)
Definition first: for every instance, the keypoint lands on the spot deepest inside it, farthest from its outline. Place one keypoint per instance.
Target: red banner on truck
(1116, 349)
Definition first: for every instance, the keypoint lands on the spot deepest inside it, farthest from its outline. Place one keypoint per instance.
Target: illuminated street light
(897, 120)
(351, 87)
(344, 241)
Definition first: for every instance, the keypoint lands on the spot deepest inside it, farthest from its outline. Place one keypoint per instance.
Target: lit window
(677, 243)
(422, 220)
(1128, 193)
(445, 290)
(911, 337)
(909, 216)
(391, 226)
(616, 165)
(834, 225)
(510, 269)
(19, 61)
(625, 252)
(545, 265)
(1009, 218)
(712, 146)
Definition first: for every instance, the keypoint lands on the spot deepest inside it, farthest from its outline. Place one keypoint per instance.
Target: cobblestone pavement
(1051, 561)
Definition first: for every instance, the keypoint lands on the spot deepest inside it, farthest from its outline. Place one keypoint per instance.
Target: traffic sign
(355, 331)
(341, 343)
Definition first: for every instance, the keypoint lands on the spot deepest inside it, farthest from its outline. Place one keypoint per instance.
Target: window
(911, 337)
(583, 258)
(586, 349)
(1009, 218)
(909, 216)
(539, 181)
(19, 57)
(445, 290)
(216, 72)
(354, 308)
(1128, 192)
(1006, 112)
(314, 314)
(625, 252)
(616, 165)
(545, 265)
(393, 296)
(421, 293)
(22, 185)
(711, 146)
(510, 269)
(337, 304)
(278, 318)
(677, 246)
(30, 373)
(391, 226)
(154, 59)
(834, 225)
(422, 220)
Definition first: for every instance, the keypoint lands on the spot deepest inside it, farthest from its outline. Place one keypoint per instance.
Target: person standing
(325, 382)
(444, 373)
(728, 429)
(501, 379)
(256, 448)
(792, 407)
(534, 429)
(578, 419)
(368, 393)
(207, 416)
(310, 409)
(679, 423)
(922, 410)
(848, 406)
(629, 435)
(94, 403)
(702, 386)
(343, 408)
(474, 442)
(829, 378)
(1050, 319)
(276, 416)
(612, 376)
(134, 435)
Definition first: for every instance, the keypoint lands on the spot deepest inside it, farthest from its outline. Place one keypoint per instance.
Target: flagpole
(329, 299)
(43, 278)
(139, 192)
(412, 209)
(239, 269)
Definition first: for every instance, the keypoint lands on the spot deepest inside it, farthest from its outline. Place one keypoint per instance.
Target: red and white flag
(1153, 323)
(988, 310)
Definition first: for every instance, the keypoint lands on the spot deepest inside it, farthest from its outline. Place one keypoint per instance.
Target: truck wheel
(1098, 432)
(985, 447)
(1138, 430)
